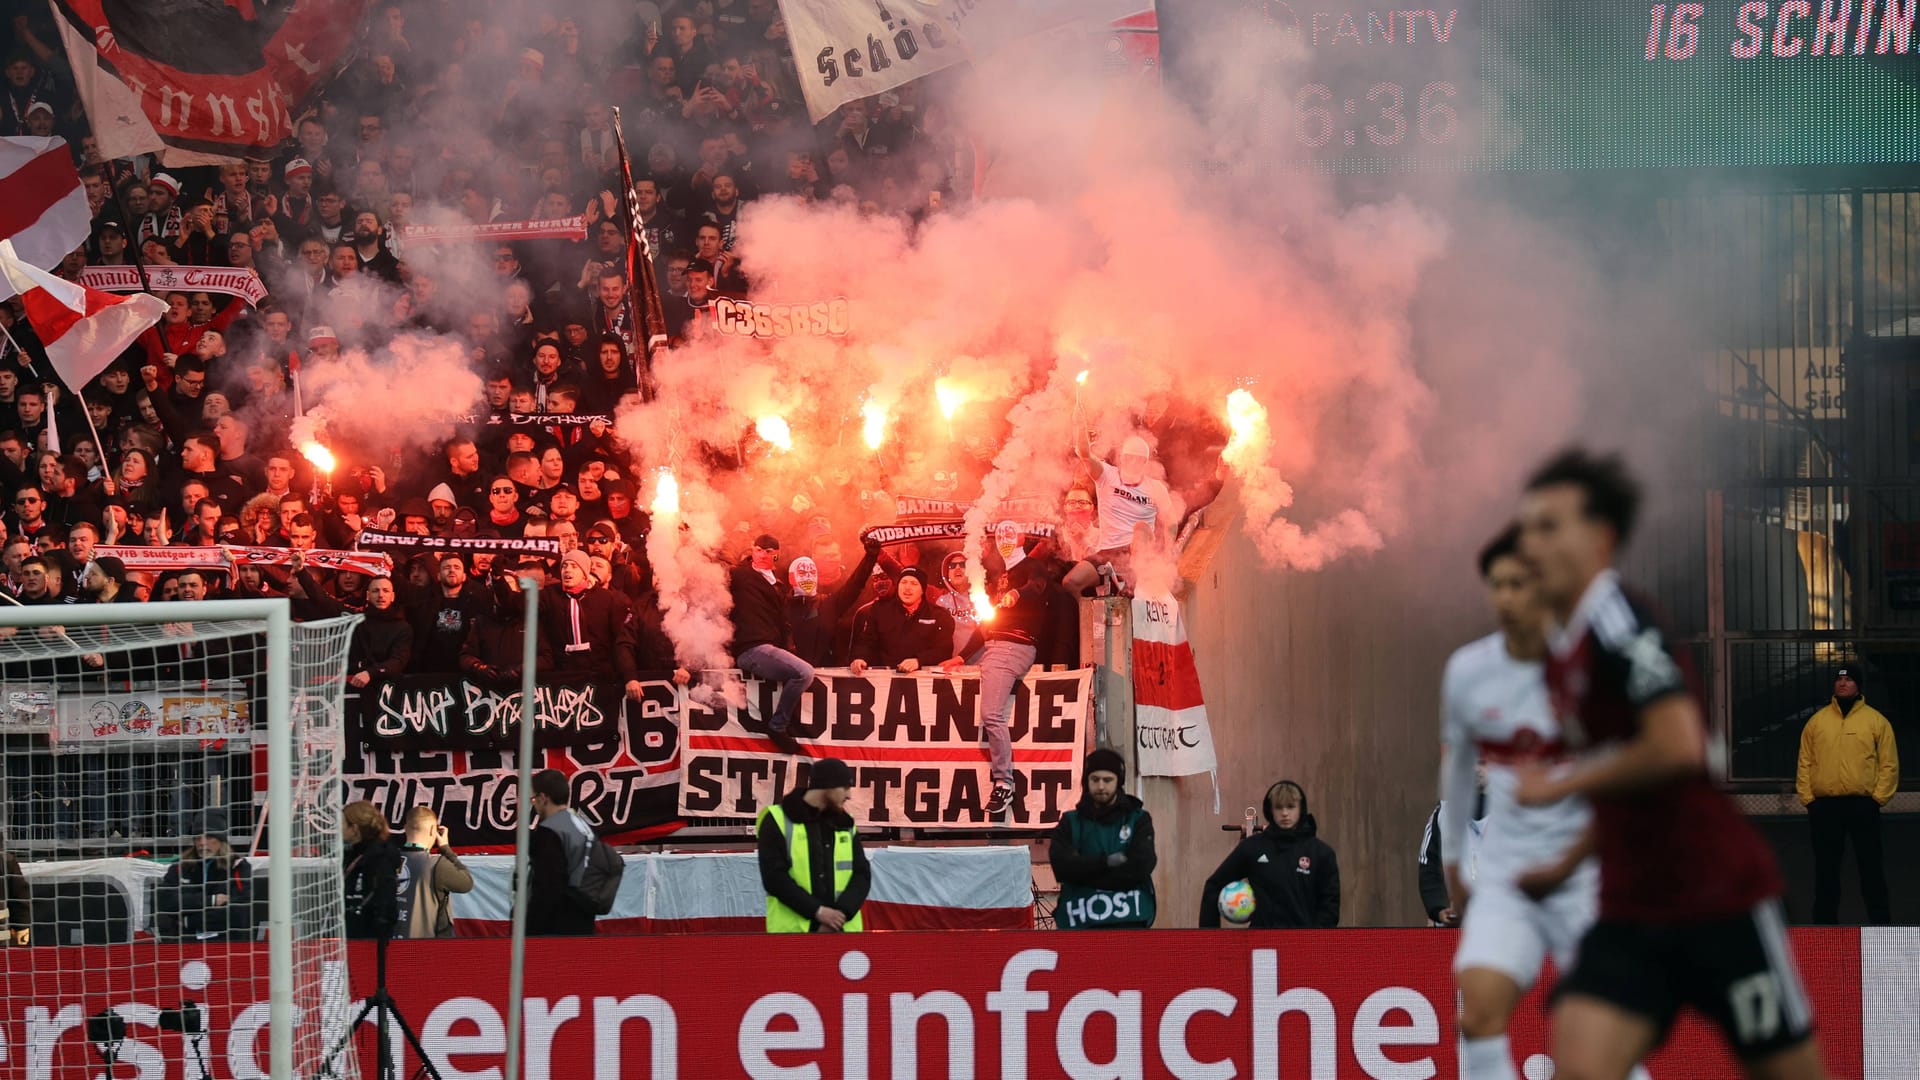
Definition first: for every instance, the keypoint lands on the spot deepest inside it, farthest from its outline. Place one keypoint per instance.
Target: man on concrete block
(762, 634)
(811, 862)
(1295, 878)
(1102, 853)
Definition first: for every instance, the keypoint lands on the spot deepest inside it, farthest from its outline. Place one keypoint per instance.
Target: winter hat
(211, 823)
(828, 773)
(441, 493)
(322, 333)
(162, 180)
(1105, 760)
(603, 528)
(112, 567)
(580, 558)
(913, 572)
(1135, 446)
(298, 167)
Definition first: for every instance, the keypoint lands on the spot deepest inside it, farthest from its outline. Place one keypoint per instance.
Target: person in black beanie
(1295, 878)
(1102, 852)
(812, 864)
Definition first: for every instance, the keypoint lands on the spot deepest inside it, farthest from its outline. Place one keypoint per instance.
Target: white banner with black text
(913, 741)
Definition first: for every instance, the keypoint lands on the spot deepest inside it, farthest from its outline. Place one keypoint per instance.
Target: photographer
(431, 875)
(372, 875)
(208, 894)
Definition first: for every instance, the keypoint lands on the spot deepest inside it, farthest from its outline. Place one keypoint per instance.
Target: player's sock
(1487, 1059)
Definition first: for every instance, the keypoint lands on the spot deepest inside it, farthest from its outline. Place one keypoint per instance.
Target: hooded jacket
(759, 610)
(496, 647)
(1295, 878)
(1083, 868)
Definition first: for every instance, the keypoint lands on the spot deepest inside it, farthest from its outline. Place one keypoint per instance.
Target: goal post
(172, 703)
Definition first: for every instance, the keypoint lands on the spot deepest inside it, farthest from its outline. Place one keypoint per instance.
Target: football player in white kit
(1495, 716)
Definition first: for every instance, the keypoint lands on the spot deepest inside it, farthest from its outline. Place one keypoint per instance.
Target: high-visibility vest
(782, 919)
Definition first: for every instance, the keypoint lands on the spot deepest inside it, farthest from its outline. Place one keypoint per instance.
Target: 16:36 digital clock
(1385, 114)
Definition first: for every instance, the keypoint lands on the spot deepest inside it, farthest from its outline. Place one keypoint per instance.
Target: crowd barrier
(1187, 1004)
(914, 888)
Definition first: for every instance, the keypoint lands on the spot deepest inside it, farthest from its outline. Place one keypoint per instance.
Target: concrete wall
(1328, 678)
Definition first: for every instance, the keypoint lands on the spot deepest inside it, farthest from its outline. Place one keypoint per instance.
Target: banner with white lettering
(201, 81)
(568, 228)
(622, 756)
(227, 557)
(914, 743)
(745, 318)
(223, 280)
(1171, 736)
(851, 49)
(446, 712)
(546, 547)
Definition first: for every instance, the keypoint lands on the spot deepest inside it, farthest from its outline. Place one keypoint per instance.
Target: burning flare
(1082, 377)
(983, 609)
(1247, 418)
(774, 430)
(319, 455)
(874, 424)
(666, 493)
(950, 395)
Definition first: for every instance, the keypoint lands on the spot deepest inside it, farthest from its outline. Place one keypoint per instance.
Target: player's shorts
(1738, 972)
(1506, 931)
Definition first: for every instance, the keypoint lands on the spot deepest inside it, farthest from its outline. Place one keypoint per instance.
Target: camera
(106, 1028)
(187, 1019)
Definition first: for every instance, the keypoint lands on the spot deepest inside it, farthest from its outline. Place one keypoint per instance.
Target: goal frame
(277, 614)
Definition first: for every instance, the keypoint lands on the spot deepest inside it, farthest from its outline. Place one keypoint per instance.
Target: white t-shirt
(1124, 506)
(1494, 709)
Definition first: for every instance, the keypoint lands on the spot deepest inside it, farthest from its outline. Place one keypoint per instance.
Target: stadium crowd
(196, 423)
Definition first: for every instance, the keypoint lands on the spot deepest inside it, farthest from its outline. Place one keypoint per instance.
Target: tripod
(382, 1003)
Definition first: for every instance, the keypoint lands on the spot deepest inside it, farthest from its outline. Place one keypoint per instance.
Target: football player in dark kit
(1689, 893)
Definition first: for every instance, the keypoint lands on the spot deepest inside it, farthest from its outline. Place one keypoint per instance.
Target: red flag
(82, 329)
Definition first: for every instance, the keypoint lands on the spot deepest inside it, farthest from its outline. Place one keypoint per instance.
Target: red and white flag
(82, 329)
(43, 208)
(1172, 737)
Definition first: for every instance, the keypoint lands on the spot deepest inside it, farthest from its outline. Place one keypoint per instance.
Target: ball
(1236, 902)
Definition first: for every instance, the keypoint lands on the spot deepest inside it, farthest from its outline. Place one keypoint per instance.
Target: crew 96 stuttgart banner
(914, 742)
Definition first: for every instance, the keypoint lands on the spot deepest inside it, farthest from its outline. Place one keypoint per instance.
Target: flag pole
(643, 284)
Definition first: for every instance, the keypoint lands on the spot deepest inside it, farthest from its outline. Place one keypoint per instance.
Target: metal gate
(1804, 552)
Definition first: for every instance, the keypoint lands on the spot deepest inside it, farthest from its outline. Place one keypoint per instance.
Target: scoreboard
(1544, 84)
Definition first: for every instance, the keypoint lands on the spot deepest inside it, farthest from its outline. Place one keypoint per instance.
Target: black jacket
(759, 611)
(370, 882)
(441, 624)
(592, 632)
(1025, 622)
(892, 635)
(815, 621)
(1295, 878)
(188, 901)
(1433, 877)
(382, 644)
(496, 646)
(776, 863)
(551, 910)
(19, 898)
(1070, 867)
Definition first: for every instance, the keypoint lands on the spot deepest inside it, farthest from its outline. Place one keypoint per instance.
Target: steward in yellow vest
(811, 862)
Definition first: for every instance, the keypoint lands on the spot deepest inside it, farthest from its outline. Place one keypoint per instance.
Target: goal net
(172, 851)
